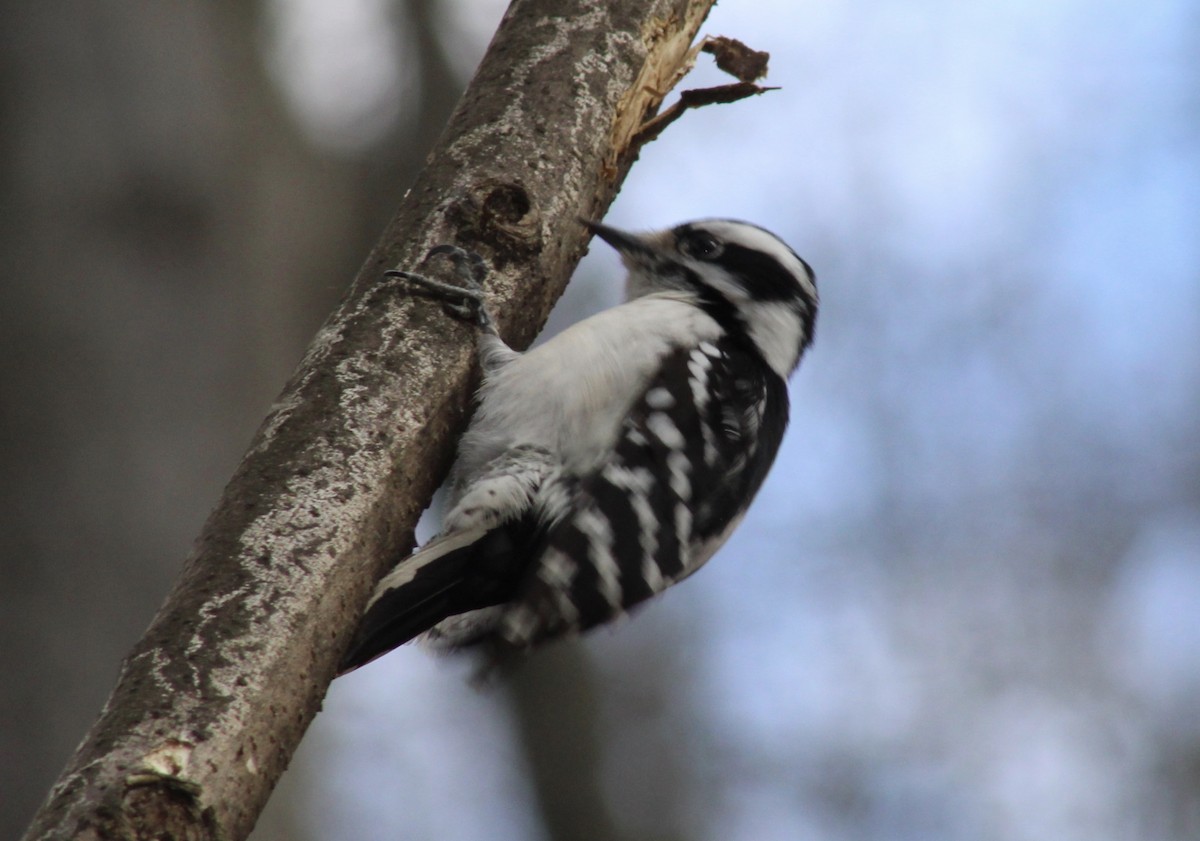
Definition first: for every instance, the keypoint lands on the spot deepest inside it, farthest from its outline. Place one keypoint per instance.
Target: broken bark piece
(736, 59)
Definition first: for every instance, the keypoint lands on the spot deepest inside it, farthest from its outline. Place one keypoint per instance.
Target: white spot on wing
(659, 398)
(683, 527)
(699, 365)
(665, 430)
(681, 484)
(557, 570)
(598, 532)
(637, 482)
(653, 575)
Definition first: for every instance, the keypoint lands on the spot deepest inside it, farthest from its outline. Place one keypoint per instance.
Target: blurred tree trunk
(178, 750)
(594, 784)
(557, 704)
(168, 244)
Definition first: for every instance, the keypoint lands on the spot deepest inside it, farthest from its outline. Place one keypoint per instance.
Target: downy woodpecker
(614, 459)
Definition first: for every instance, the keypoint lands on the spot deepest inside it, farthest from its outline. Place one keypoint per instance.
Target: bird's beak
(627, 244)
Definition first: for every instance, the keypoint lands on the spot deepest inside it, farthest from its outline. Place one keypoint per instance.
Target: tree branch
(697, 98)
(212, 701)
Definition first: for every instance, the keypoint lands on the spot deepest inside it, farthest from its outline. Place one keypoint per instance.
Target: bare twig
(696, 98)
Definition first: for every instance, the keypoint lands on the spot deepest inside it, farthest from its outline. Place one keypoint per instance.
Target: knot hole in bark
(503, 216)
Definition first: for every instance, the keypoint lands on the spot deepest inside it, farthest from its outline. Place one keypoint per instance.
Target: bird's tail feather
(452, 574)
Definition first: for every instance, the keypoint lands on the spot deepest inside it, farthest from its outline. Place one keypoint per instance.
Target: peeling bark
(212, 701)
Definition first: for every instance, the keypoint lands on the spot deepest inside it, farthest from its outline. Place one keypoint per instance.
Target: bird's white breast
(570, 394)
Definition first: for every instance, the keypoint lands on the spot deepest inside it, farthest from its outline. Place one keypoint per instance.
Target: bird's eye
(701, 246)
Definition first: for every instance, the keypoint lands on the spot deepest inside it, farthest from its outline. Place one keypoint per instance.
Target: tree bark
(212, 701)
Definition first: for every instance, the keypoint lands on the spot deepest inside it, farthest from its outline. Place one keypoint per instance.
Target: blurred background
(966, 604)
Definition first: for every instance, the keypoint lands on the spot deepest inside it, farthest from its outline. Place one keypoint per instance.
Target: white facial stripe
(715, 277)
(760, 240)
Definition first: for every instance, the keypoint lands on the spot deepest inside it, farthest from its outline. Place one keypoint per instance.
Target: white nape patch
(777, 332)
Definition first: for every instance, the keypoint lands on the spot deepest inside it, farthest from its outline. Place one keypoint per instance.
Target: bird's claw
(466, 302)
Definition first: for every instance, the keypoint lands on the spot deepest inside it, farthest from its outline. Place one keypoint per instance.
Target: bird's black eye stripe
(700, 245)
(761, 274)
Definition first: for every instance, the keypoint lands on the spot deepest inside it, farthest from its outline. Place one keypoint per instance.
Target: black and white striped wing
(691, 455)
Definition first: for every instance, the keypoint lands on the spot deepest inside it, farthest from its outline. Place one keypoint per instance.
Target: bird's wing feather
(683, 469)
